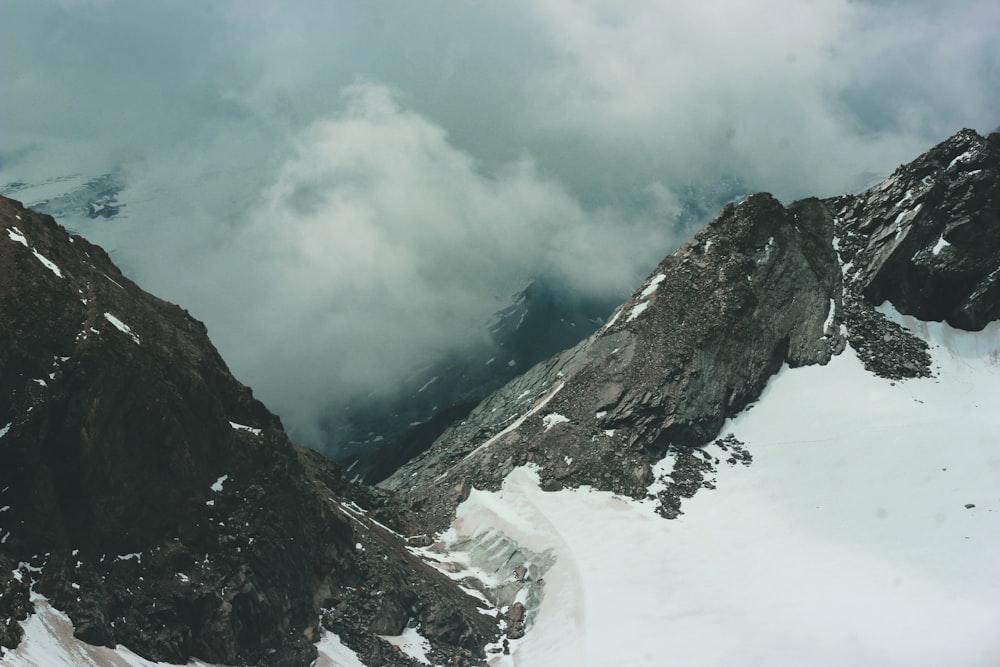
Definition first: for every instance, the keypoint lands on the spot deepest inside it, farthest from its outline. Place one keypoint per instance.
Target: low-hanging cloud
(380, 247)
(795, 97)
(345, 191)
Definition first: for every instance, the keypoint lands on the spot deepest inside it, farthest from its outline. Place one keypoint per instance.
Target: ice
(830, 316)
(114, 281)
(17, 237)
(46, 263)
(961, 158)
(333, 653)
(653, 284)
(217, 484)
(553, 418)
(614, 318)
(637, 310)
(939, 246)
(121, 326)
(428, 383)
(4, 429)
(48, 642)
(242, 427)
(412, 644)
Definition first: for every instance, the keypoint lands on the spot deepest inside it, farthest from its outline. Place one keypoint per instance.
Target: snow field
(846, 542)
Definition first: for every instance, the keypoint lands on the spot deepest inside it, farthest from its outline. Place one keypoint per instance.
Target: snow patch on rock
(553, 418)
(244, 427)
(17, 237)
(47, 263)
(121, 326)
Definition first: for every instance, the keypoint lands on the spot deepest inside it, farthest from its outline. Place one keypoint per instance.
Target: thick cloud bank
(380, 247)
(346, 191)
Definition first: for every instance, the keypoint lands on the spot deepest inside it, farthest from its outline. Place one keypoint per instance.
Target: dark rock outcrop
(928, 238)
(760, 287)
(151, 497)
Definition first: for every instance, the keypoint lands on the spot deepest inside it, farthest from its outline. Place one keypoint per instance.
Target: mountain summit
(762, 286)
(146, 493)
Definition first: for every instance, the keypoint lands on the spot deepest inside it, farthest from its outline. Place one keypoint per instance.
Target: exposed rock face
(373, 439)
(763, 285)
(151, 497)
(928, 238)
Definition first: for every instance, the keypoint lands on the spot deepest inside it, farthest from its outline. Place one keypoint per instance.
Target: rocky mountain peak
(147, 494)
(762, 286)
(927, 237)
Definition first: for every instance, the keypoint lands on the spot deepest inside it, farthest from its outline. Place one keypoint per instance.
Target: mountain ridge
(85, 357)
(746, 321)
(149, 495)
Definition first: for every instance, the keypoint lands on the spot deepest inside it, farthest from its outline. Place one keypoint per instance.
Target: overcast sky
(344, 190)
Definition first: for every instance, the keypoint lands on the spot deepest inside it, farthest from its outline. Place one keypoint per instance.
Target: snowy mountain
(781, 450)
(150, 497)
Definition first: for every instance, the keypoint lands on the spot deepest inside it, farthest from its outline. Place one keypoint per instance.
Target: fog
(344, 191)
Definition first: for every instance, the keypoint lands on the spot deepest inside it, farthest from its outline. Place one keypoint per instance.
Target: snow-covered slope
(866, 532)
(48, 642)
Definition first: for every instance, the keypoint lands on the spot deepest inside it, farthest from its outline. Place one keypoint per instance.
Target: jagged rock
(15, 603)
(515, 621)
(928, 238)
(762, 286)
(157, 502)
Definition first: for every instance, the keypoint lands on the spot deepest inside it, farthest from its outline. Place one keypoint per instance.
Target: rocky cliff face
(763, 285)
(149, 495)
(928, 238)
(377, 436)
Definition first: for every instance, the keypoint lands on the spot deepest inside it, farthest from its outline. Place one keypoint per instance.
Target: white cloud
(796, 97)
(332, 243)
(379, 246)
